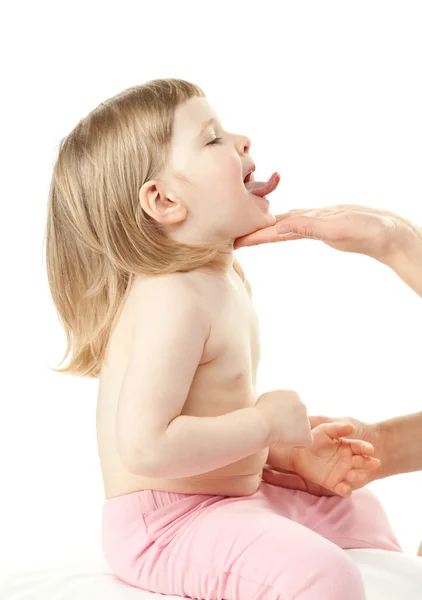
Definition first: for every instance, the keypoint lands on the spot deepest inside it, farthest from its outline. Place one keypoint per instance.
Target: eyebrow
(211, 121)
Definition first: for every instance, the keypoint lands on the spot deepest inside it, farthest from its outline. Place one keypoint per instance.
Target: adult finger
(295, 212)
(317, 228)
(337, 430)
(286, 480)
(264, 236)
(319, 420)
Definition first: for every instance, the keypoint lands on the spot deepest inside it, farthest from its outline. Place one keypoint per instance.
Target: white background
(330, 93)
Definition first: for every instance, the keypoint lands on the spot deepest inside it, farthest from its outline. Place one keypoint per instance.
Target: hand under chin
(266, 221)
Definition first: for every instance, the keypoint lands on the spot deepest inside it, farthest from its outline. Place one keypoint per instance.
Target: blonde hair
(97, 236)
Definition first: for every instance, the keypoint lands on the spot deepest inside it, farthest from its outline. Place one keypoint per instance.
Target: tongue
(262, 188)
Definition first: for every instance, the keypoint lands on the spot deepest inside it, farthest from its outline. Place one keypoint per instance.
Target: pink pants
(277, 544)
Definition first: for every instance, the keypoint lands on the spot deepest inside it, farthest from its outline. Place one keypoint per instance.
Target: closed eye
(216, 140)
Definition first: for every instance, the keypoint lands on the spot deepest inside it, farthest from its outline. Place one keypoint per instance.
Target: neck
(227, 255)
(225, 248)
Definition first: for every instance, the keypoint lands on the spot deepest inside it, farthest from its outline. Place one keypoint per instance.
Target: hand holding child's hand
(336, 464)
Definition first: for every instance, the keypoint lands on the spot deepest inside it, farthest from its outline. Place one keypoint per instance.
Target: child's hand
(336, 464)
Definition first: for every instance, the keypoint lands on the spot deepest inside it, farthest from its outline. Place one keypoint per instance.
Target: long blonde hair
(97, 236)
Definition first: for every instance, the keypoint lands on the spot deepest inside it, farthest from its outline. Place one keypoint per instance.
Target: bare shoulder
(175, 284)
(178, 293)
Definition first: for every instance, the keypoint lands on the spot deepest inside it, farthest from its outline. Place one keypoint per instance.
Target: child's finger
(365, 462)
(336, 430)
(343, 489)
(360, 447)
(357, 477)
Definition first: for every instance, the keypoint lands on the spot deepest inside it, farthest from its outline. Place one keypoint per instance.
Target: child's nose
(243, 143)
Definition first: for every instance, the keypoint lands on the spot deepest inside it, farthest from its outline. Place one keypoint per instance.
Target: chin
(270, 218)
(241, 224)
(265, 220)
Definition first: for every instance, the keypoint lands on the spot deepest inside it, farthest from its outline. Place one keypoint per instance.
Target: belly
(241, 478)
(215, 391)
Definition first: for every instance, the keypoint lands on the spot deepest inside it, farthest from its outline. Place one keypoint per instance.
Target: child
(148, 195)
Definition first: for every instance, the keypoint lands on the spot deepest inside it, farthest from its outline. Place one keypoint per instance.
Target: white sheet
(387, 576)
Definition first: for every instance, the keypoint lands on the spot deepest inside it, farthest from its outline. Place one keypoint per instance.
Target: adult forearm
(399, 445)
(406, 258)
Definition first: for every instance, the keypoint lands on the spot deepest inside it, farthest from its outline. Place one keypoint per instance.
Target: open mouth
(261, 188)
(249, 177)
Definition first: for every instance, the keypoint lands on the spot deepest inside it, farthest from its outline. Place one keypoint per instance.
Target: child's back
(224, 381)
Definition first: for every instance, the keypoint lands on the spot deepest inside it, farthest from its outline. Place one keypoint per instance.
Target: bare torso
(224, 381)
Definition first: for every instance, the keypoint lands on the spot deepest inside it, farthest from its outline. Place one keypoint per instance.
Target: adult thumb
(319, 420)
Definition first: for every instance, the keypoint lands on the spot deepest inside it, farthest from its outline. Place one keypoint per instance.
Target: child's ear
(163, 207)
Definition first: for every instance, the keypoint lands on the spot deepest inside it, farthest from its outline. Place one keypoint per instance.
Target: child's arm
(153, 438)
(280, 458)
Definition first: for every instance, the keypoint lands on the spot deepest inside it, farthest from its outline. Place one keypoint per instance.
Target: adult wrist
(398, 445)
(404, 255)
(382, 438)
(397, 233)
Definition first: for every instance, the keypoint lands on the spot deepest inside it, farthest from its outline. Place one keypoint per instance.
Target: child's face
(206, 176)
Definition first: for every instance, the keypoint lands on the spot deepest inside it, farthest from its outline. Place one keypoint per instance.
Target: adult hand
(292, 481)
(348, 227)
(335, 462)
(289, 479)
(367, 432)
